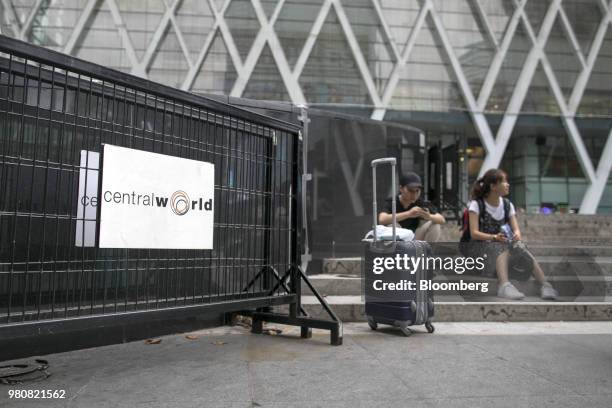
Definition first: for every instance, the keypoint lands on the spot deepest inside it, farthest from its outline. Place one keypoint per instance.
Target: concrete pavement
(543, 364)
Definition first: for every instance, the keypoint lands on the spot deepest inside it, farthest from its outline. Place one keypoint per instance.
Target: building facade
(525, 85)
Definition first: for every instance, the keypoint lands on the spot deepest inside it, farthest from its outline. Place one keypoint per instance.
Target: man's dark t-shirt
(408, 223)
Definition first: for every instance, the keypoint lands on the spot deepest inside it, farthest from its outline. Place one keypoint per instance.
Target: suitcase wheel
(372, 323)
(430, 328)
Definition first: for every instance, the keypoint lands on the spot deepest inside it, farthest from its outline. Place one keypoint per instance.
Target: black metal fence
(53, 110)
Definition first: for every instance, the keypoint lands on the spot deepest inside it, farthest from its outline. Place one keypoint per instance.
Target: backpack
(466, 235)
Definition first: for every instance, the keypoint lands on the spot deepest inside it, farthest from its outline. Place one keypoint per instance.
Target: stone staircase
(586, 230)
(574, 251)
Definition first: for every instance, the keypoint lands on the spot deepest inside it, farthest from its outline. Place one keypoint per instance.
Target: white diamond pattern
(495, 145)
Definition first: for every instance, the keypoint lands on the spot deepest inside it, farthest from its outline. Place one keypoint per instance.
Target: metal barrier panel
(53, 110)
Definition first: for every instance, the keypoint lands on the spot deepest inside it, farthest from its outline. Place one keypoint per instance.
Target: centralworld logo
(179, 201)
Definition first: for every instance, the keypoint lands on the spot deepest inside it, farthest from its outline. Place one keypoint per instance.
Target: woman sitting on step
(488, 237)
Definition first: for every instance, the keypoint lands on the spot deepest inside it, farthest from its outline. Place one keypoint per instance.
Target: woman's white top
(497, 212)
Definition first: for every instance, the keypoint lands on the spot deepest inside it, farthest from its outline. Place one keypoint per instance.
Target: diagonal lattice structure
(193, 53)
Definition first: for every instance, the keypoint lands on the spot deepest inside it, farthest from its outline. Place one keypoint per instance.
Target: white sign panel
(87, 207)
(150, 200)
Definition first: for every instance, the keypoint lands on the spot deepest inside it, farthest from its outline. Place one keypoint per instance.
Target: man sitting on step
(412, 212)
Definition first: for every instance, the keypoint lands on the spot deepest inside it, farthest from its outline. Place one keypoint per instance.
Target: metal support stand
(295, 318)
(298, 242)
(306, 256)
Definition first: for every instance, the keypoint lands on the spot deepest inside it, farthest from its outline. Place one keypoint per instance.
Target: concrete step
(570, 287)
(544, 249)
(563, 238)
(351, 309)
(570, 234)
(575, 222)
(335, 285)
(342, 266)
(562, 229)
(576, 266)
(541, 249)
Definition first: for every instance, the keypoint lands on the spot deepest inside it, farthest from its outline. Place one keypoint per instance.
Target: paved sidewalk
(461, 365)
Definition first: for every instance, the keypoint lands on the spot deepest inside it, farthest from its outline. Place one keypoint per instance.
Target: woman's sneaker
(508, 291)
(548, 292)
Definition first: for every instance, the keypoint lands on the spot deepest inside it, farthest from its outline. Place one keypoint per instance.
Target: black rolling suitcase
(411, 307)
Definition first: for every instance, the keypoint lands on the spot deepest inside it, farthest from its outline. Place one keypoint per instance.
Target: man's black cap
(411, 180)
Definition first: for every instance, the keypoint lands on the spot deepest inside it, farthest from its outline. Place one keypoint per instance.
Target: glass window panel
(5, 28)
(427, 83)
(536, 11)
(498, 14)
(577, 189)
(23, 8)
(217, 74)
(101, 42)
(369, 33)
(539, 98)
(584, 17)
(597, 98)
(549, 165)
(467, 35)
(265, 82)
(594, 133)
(54, 21)
(562, 58)
(400, 16)
(331, 75)
(243, 24)
(605, 205)
(141, 19)
(294, 24)
(554, 191)
(510, 71)
(195, 20)
(269, 6)
(169, 65)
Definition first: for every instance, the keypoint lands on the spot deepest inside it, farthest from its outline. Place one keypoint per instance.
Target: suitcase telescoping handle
(377, 162)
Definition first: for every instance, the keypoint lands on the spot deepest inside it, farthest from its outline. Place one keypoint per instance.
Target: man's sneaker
(508, 291)
(548, 292)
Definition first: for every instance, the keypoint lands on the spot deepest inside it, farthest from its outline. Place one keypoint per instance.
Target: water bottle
(507, 231)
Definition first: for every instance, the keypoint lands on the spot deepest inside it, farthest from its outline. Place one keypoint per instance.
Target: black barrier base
(305, 322)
